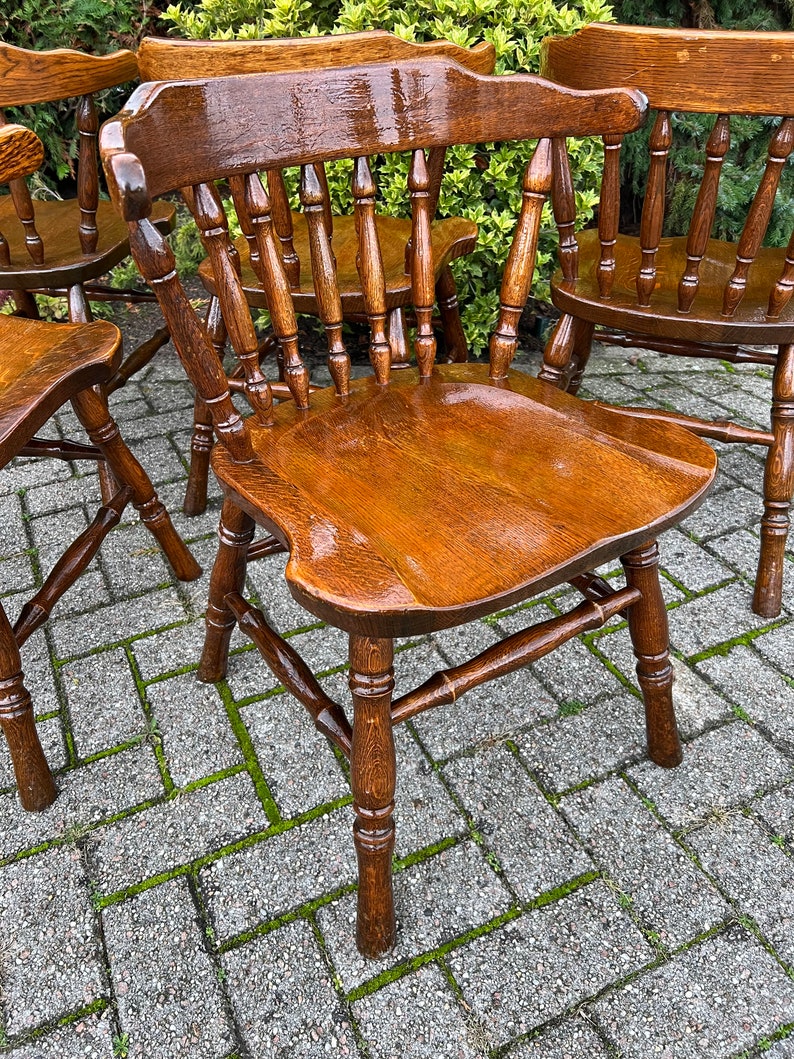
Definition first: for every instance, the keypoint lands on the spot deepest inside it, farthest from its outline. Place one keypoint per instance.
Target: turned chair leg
(397, 334)
(34, 780)
(582, 347)
(372, 769)
(778, 490)
(567, 353)
(455, 345)
(235, 533)
(651, 641)
(557, 354)
(202, 439)
(92, 411)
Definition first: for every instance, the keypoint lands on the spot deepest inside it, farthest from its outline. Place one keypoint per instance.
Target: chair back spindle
(653, 207)
(521, 259)
(702, 222)
(370, 268)
(755, 227)
(87, 173)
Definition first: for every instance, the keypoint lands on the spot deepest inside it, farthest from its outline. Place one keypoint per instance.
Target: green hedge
(490, 196)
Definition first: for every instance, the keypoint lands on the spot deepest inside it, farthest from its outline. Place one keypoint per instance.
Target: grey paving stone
(725, 509)
(575, 675)
(298, 763)
(283, 998)
(435, 900)
(119, 621)
(191, 527)
(781, 1050)
(175, 833)
(744, 463)
(169, 998)
(280, 873)
(778, 646)
(741, 550)
(588, 744)
(754, 871)
(721, 769)
(25, 474)
(39, 674)
(697, 704)
(761, 692)
(460, 644)
(51, 951)
(196, 735)
(713, 619)
(714, 999)
(133, 561)
(572, 1039)
(169, 650)
(490, 712)
(535, 849)
(12, 534)
(547, 962)
(87, 1038)
(248, 675)
(104, 706)
(266, 580)
(16, 572)
(86, 795)
(424, 812)
(777, 810)
(418, 1017)
(666, 889)
(689, 564)
(159, 458)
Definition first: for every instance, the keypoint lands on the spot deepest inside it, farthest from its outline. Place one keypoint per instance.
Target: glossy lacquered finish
(65, 246)
(161, 60)
(690, 295)
(42, 367)
(414, 500)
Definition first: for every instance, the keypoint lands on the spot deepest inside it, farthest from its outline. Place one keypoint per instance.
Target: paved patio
(190, 893)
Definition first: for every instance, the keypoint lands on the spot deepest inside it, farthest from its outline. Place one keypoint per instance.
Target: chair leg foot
(235, 533)
(650, 639)
(373, 768)
(778, 490)
(35, 783)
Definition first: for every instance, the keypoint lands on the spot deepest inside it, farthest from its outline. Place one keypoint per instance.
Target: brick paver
(190, 895)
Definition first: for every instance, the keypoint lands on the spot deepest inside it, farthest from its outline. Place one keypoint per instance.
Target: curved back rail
(181, 60)
(242, 125)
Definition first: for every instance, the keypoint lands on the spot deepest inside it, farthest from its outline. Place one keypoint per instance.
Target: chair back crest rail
(40, 77)
(703, 71)
(310, 119)
(181, 60)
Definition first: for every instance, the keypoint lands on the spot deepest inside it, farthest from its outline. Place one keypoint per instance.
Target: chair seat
(704, 322)
(452, 237)
(365, 491)
(65, 264)
(43, 365)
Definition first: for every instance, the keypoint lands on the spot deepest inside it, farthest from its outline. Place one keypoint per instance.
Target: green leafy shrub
(95, 26)
(483, 182)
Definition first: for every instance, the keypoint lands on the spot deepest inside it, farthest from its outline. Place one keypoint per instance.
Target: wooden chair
(691, 296)
(43, 366)
(452, 237)
(63, 247)
(409, 501)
